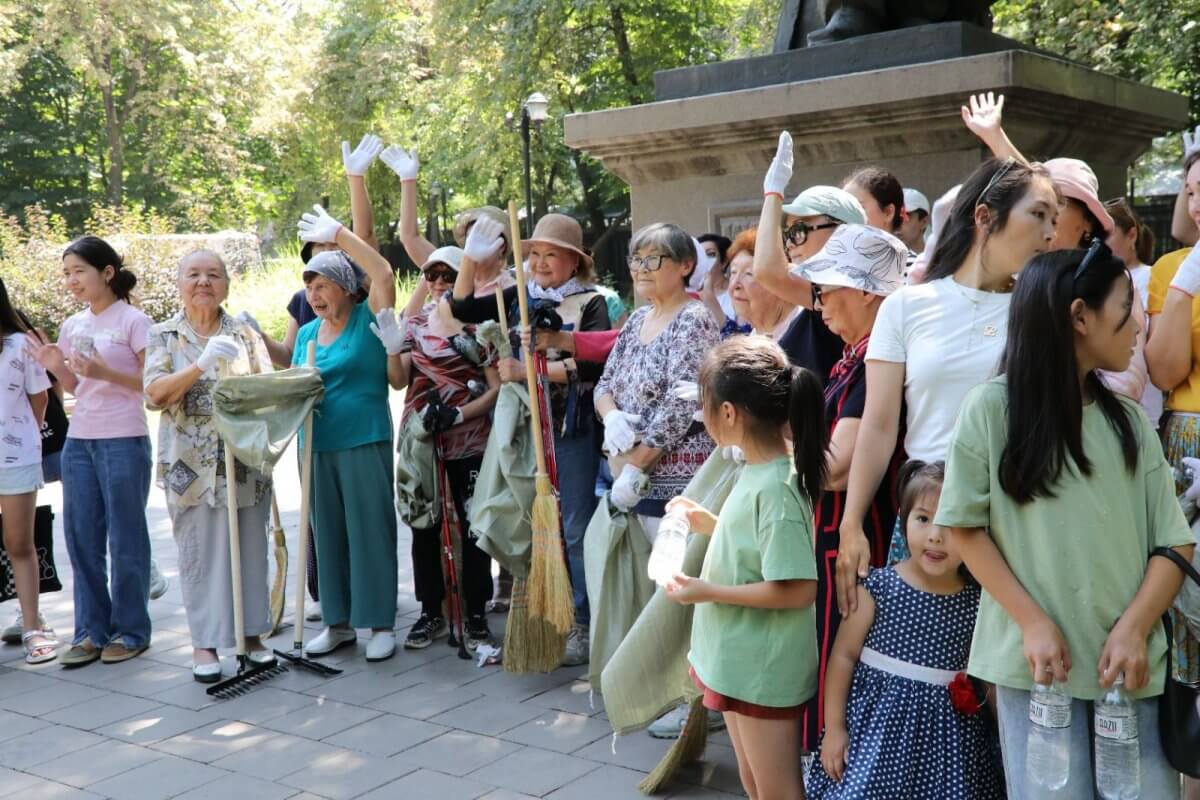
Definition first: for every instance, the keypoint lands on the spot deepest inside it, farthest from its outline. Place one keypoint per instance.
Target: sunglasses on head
(797, 233)
(1097, 247)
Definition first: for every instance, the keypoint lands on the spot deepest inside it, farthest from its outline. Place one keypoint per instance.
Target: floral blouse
(191, 456)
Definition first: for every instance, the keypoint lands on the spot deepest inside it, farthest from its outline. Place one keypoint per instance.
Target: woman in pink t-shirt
(106, 459)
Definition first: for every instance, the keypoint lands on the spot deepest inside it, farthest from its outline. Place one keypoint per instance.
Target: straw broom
(686, 749)
(548, 588)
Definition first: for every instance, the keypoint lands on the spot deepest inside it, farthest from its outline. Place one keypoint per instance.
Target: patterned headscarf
(337, 267)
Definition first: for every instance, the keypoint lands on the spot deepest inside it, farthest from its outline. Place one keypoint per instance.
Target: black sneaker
(425, 632)
(477, 632)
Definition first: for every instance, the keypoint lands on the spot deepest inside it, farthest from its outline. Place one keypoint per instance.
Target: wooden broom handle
(530, 371)
(310, 360)
(235, 541)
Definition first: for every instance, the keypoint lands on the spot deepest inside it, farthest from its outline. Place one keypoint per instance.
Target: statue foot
(846, 23)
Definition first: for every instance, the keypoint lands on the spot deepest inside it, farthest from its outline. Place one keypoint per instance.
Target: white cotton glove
(219, 348)
(402, 162)
(390, 331)
(689, 392)
(483, 240)
(1187, 278)
(734, 453)
(625, 494)
(1191, 143)
(248, 318)
(358, 162)
(780, 171)
(1193, 491)
(318, 226)
(619, 435)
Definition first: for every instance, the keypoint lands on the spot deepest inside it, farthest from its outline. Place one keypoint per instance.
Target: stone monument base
(698, 160)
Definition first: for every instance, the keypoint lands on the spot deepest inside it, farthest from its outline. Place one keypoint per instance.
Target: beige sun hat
(466, 218)
(561, 230)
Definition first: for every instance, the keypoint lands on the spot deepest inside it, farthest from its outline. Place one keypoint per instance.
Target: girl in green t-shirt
(1058, 493)
(753, 649)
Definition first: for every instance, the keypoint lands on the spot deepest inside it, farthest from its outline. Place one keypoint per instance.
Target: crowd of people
(964, 429)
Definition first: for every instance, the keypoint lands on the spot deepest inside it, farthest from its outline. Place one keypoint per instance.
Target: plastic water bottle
(1048, 746)
(666, 558)
(1115, 723)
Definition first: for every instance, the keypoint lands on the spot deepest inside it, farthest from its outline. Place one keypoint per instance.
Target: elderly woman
(856, 269)
(653, 432)
(183, 356)
(767, 312)
(358, 351)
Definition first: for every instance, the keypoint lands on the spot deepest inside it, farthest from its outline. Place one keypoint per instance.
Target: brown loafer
(115, 652)
(77, 655)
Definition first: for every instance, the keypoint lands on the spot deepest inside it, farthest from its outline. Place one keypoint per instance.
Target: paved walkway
(421, 725)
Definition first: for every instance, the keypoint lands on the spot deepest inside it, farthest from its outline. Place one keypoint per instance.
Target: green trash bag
(417, 494)
(502, 505)
(648, 674)
(257, 415)
(615, 556)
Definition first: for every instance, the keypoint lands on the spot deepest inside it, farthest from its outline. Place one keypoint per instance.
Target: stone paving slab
(424, 724)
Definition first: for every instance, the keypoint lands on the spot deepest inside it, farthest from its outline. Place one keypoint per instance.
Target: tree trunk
(591, 200)
(114, 181)
(625, 54)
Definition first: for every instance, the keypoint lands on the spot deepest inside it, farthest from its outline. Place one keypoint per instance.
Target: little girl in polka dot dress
(913, 725)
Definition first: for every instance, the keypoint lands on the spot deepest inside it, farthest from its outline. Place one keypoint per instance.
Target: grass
(265, 293)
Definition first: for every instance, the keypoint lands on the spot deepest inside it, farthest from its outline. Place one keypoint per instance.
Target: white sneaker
(672, 723)
(314, 612)
(329, 640)
(381, 646)
(578, 647)
(158, 582)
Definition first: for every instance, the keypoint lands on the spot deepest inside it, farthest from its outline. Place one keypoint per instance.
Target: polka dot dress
(906, 739)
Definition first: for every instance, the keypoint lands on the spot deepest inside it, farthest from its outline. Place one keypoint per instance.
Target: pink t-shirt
(105, 410)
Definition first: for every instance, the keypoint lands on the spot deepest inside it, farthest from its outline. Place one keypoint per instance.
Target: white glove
(1191, 143)
(248, 318)
(483, 240)
(686, 390)
(1193, 491)
(389, 331)
(1187, 278)
(734, 453)
(402, 162)
(318, 226)
(625, 494)
(219, 348)
(780, 171)
(358, 162)
(619, 435)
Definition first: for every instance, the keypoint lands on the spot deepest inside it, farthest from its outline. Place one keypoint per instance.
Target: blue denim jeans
(1158, 779)
(577, 458)
(106, 483)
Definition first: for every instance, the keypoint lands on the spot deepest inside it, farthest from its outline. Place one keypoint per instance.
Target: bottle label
(1122, 729)
(1049, 716)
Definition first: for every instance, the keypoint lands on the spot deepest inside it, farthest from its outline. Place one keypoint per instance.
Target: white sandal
(50, 645)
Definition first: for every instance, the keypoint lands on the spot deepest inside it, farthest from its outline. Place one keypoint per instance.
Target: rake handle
(310, 360)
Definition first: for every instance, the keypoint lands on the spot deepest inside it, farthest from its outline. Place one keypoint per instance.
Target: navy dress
(906, 739)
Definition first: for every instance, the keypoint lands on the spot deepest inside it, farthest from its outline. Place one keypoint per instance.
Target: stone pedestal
(697, 159)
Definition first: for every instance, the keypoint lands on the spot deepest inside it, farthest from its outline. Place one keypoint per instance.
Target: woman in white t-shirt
(23, 386)
(933, 342)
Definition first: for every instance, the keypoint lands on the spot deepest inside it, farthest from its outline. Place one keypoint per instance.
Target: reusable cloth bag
(417, 494)
(504, 490)
(257, 415)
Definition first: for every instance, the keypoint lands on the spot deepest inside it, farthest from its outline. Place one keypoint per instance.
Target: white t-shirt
(1152, 397)
(20, 376)
(950, 339)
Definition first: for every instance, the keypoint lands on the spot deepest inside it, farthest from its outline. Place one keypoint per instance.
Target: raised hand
(402, 162)
(390, 331)
(780, 171)
(42, 350)
(984, 115)
(318, 226)
(360, 160)
(484, 239)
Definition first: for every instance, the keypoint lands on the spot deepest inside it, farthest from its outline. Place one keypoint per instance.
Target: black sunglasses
(797, 233)
(1098, 245)
(433, 275)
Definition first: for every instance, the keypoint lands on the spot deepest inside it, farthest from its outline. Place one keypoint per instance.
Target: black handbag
(54, 426)
(1179, 704)
(43, 546)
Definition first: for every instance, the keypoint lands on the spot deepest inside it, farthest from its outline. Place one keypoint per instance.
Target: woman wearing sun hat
(562, 274)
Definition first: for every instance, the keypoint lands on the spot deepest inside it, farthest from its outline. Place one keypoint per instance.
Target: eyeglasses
(435, 275)
(797, 233)
(645, 263)
(1088, 257)
(1000, 173)
(818, 294)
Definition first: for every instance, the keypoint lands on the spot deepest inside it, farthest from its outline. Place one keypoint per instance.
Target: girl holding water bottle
(755, 592)
(1057, 493)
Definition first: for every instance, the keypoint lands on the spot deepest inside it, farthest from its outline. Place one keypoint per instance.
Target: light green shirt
(764, 533)
(1081, 554)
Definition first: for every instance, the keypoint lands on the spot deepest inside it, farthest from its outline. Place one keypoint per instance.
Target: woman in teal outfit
(352, 502)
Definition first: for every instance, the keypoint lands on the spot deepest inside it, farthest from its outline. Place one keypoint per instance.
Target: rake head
(248, 676)
(297, 657)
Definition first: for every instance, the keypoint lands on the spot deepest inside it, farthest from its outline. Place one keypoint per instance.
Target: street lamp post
(533, 114)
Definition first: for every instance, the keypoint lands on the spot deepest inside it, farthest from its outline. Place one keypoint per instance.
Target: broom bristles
(687, 748)
(549, 585)
(530, 645)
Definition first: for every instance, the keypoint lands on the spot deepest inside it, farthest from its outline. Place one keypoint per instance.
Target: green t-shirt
(1081, 554)
(353, 368)
(764, 533)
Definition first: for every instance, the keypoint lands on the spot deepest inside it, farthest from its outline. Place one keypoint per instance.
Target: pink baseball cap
(1074, 178)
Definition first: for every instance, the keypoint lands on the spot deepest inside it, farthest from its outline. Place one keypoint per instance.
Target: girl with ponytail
(754, 597)
(106, 458)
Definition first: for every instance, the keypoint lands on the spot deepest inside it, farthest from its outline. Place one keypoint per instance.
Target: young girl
(912, 726)
(755, 592)
(1058, 493)
(22, 407)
